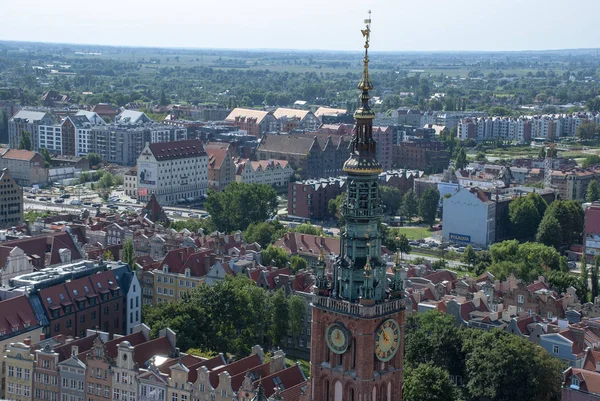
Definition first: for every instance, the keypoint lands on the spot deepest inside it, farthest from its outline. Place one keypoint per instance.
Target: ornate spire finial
(365, 83)
(321, 252)
(397, 259)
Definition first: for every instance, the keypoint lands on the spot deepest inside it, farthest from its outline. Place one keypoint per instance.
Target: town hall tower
(357, 332)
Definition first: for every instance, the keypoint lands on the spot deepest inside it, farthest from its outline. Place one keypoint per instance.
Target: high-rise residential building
(71, 137)
(357, 334)
(172, 171)
(26, 121)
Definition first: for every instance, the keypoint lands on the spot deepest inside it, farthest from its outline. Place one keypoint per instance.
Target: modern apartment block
(172, 171)
(523, 129)
(29, 121)
(71, 137)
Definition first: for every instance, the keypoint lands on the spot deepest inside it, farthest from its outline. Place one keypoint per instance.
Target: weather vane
(366, 32)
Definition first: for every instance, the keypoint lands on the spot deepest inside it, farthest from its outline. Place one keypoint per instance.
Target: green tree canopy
(25, 141)
(334, 207)
(94, 159)
(469, 256)
(527, 261)
(410, 204)
(47, 156)
(593, 192)
(241, 204)
(297, 263)
(275, 256)
(129, 254)
(588, 130)
(591, 160)
(308, 228)
(264, 232)
(524, 216)
(461, 159)
(428, 382)
(391, 198)
(571, 217)
(549, 232)
(428, 205)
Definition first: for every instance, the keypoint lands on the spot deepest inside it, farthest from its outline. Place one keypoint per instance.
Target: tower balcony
(372, 213)
(355, 309)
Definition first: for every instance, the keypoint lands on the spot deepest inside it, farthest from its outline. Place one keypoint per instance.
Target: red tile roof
(294, 393)
(134, 339)
(588, 381)
(16, 314)
(217, 152)
(40, 245)
(182, 258)
(177, 149)
(440, 276)
(310, 244)
(19, 154)
(210, 364)
(283, 379)
(144, 351)
(55, 298)
(538, 285)
(257, 372)
(591, 359)
(84, 344)
(235, 368)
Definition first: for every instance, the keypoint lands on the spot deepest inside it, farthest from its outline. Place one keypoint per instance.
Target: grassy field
(415, 232)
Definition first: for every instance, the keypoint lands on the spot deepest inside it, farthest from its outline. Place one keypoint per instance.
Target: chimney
(42, 336)
(27, 341)
(74, 350)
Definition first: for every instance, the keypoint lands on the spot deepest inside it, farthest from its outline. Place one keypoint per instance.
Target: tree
(410, 204)
(297, 263)
(524, 217)
(297, 312)
(106, 181)
(264, 232)
(280, 317)
(241, 204)
(593, 104)
(593, 192)
(107, 255)
(542, 153)
(571, 217)
(308, 228)
(469, 257)
(549, 232)
(428, 382)
(461, 159)
(591, 160)
(129, 254)
(584, 276)
(403, 245)
(94, 159)
(163, 98)
(47, 157)
(25, 141)
(334, 207)
(274, 256)
(428, 205)
(587, 130)
(391, 198)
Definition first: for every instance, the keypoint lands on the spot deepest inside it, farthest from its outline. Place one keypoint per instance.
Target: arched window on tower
(326, 390)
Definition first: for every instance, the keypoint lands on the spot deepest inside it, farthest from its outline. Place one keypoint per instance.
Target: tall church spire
(365, 83)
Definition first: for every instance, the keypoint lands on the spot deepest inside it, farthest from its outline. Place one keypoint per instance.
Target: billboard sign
(460, 238)
(147, 173)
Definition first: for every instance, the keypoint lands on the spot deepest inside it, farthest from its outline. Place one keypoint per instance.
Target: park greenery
(437, 351)
(230, 316)
(241, 204)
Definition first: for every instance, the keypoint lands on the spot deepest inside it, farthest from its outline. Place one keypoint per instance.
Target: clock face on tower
(387, 340)
(337, 338)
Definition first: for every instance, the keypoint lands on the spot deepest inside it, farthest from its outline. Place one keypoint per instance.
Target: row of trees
(491, 365)
(556, 224)
(229, 317)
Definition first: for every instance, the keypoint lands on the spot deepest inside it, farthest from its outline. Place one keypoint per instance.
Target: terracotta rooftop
(238, 112)
(17, 315)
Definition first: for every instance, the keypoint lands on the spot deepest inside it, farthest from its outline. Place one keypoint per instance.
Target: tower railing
(357, 212)
(355, 309)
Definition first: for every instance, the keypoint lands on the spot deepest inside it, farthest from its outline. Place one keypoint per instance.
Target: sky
(424, 25)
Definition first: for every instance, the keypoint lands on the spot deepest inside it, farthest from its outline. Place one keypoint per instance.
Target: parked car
(571, 264)
(177, 213)
(87, 203)
(76, 202)
(112, 206)
(59, 200)
(193, 215)
(424, 245)
(30, 196)
(65, 196)
(96, 204)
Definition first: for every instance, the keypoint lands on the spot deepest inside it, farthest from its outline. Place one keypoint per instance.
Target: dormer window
(165, 269)
(575, 381)
(187, 272)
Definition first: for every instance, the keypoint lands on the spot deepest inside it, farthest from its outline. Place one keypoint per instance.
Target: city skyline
(433, 25)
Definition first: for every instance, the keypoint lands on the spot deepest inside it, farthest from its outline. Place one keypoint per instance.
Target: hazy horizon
(428, 26)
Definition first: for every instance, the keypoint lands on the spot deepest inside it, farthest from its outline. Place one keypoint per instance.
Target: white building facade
(270, 172)
(469, 218)
(172, 171)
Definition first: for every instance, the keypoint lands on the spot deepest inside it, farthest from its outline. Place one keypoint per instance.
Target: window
(555, 349)
(520, 299)
(90, 389)
(174, 397)
(106, 391)
(11, 388)
(19, 373)
(46, 364)
(223, 394)
(93, 315)
(575, 381)
(27, 374)
(202, 388)
(11, 371)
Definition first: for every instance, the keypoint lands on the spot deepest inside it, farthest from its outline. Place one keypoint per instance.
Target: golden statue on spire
(365, 83)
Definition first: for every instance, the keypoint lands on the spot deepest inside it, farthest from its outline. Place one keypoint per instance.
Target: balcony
(355, 309)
